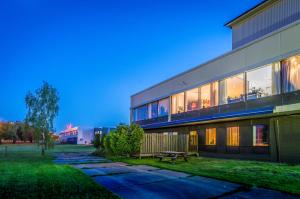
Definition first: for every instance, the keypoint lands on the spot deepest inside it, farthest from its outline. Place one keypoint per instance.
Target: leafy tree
(135, 137)
(42, 108)
(8, 132)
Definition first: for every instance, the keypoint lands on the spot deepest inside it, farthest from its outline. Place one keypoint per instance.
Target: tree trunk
(43, 143)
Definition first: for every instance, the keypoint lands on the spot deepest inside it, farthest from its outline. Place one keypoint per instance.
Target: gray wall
(277, 46)
(280, 14)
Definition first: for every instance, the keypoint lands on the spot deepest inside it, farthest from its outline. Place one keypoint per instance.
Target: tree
(42, 108)
(135, 137)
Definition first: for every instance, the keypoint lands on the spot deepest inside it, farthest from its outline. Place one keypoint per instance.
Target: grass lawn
(24, 173)
(277, 176)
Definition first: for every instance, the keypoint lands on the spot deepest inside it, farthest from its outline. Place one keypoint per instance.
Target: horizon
(98, 54)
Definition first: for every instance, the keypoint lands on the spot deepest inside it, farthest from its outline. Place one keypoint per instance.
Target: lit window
(233, 136)
(211, 136)
(193, 138)
(264, 81)
(291, 74)
(192, 99)
(260, 135)
(232, 89)
(178, 103)
(163, 107)
(209, 95)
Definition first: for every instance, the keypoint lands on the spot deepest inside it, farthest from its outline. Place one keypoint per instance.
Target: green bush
(125, 140)
(97, 138)
(135, 137)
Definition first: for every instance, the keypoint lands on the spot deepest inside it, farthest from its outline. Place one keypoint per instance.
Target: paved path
(150, 182)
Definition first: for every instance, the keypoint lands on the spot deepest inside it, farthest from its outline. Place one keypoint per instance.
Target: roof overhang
(251, 12)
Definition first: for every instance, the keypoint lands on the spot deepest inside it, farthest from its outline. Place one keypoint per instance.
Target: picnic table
(174, 155)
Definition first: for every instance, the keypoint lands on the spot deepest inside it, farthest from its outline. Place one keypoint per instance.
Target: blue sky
(98, 53)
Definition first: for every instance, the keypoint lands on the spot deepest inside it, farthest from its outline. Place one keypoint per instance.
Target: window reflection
(141, 113)
(192, 99)
(260, 135)
(163, 107)
(291, 74)
(153, 110)
(232, 89)
(264, 81)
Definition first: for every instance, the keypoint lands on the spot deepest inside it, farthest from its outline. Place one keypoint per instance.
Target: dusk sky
(98, 53)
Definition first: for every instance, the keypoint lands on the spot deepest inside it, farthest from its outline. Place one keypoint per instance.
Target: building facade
(243, 104)
(76, 135)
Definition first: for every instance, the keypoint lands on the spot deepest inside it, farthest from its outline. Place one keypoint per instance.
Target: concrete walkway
(150, 182)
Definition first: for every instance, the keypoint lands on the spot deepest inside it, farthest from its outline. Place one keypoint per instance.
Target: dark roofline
(236, 19)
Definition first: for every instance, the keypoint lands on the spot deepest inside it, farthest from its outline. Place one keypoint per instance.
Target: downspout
(276, 139)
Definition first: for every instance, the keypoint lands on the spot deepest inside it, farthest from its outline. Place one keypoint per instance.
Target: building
(243, 104)
(76, 135)
(103, 130)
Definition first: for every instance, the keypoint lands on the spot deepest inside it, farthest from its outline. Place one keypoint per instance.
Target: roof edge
(252, 11)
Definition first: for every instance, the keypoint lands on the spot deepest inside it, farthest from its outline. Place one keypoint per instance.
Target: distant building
(76, 135)
(103, 130)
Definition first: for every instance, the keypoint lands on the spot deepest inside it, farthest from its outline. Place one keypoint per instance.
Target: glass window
(232, 89)
(291, 74)
(163, 107)
(233, 136)
(193, 138)
(211, 136)
(209, 95)
(260, 135)
(264, 81)
(192, 99)
(153, 110)
(178, 103)
(141, 113)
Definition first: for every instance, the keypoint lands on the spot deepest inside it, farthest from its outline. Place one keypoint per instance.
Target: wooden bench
(173, 155)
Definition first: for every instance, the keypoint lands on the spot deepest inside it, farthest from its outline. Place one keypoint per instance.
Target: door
(193, 141)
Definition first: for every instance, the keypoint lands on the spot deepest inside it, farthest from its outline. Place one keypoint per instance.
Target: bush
(97, 138)
(135, 137)
(125, 140)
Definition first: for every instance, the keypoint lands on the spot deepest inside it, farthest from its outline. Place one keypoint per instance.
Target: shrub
(124, 140)
(97, 138)
(135, 137)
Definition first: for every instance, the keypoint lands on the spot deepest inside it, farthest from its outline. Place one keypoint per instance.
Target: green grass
(276, 176)
(24, 173)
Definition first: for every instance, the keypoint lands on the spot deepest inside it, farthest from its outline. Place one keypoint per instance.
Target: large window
(141, 113)
(232, 89)
(233, 136)
(209, 95)
(260, 135)
(291, 74)
(264, 81)
(192, 99)
(178, 103)
(153, 110)
(163, 107)
(211, 136)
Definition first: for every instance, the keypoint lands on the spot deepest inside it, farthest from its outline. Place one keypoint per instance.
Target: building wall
(278, 15)
(280, 45)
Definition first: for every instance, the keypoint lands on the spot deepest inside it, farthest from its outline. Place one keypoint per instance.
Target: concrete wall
(278, 46)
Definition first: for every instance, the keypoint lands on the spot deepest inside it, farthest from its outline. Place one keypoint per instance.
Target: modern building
(76, 135)
(242, 104)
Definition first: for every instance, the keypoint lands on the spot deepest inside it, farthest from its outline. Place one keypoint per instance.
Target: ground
(26, 174)
(276, 176)
(148, 182)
